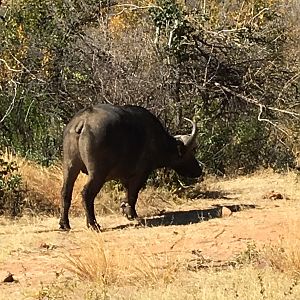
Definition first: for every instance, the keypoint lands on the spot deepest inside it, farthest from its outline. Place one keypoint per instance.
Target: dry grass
(254, 187)
(43, 186)
(96, 262)
(247, 283)
(272, 274)
(91, 263)
(138, 278)
(285, 254)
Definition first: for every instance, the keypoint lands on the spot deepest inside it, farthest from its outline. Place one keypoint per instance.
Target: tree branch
(256, 102)
(8, 67)
(12, 104)
(269, 121)
(136, 7)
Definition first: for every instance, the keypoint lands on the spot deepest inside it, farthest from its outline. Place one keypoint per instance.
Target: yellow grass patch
(43, 185)
(285, 254)
(96, 262)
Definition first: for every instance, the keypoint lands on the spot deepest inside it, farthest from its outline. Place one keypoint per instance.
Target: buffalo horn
(191, 140)
(188, 139)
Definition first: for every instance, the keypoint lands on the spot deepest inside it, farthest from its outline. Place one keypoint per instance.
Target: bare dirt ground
(35, 251)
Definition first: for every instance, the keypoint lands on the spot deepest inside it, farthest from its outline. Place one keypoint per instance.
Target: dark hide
(123, 143)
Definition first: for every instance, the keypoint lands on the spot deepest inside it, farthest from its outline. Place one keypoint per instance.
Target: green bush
(225, 65)
(11, 189)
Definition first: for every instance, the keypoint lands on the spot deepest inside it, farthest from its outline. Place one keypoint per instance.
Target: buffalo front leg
(89, 192)
(133, 187)
(70, 175)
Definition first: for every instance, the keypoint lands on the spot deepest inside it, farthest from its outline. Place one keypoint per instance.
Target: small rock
(272, 195)
(47, 246)
(276, 196)
(9, 278)
(44, 246)
(226, 212)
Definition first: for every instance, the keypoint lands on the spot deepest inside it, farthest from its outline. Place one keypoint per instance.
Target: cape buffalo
(123, 143)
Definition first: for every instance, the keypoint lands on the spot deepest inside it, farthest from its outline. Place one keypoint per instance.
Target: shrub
(11, 189)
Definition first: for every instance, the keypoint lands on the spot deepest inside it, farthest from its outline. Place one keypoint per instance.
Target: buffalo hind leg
(70, 176)
(133, 187)
(89, 192)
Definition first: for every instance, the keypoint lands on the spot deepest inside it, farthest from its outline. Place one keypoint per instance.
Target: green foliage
(11, 189)
(216, 63)
(173, 20)
(167, 15)
(33, 38)
(239, 144)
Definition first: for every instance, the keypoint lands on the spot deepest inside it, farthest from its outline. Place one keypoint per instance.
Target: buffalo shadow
(185, 217)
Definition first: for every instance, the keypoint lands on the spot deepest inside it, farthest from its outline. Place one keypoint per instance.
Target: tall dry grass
(285, 254)
(270, 273)
(43, 186)
(95, 262)
(144, 275)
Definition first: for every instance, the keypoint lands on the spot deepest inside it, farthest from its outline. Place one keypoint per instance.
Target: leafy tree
(231, 65)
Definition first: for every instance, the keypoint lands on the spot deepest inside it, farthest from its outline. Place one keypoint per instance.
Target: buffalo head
(187, 164)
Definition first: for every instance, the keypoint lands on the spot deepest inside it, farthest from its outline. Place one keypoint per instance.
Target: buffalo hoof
(64, 227)
(128, 211)
(95, 226)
